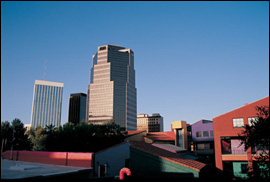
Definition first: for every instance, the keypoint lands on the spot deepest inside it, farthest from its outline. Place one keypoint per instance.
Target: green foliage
(14, 134)
(257, 135)
(83, 137)
(6, 136)
(38, 138)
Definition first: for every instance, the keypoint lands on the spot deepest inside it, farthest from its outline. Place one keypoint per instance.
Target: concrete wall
(114, 157)
(56, 158)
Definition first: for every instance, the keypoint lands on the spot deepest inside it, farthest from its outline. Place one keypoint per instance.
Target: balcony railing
(235, 151)
(238, 151)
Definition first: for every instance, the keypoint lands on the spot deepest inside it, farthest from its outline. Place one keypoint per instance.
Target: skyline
(193, 60)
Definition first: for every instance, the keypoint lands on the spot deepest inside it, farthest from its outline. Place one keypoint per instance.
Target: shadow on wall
(167, 175)
(211, 172)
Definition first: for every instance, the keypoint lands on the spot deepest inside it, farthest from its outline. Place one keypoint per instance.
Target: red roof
(160, 136)
(148, 148)
(130, 133)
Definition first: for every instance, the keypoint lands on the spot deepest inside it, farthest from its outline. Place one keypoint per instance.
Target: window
(102, 48)
(200, 146)
(244, 168)
(226, 145)
(238, 122)
(198, 134)
(254, 119)
(102, 170)
(205, 134)
(211, 133)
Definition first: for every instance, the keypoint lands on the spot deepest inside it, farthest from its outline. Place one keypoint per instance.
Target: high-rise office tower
(77, 108)
(47, 104)
(112, 95)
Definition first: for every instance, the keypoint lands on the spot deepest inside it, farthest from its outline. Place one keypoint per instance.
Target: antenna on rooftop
(45, 70)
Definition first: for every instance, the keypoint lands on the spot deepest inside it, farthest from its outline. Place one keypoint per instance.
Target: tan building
(112, 95)
(180, 130)
(152, 123)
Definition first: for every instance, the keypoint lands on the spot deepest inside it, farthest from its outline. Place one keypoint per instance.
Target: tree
(257, 137)
(38, 138)
(14, 135)
(20, 141)
(83, 137)
(6, 135)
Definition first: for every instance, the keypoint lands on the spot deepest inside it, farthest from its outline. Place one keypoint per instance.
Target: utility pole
(13, 140)
(45, 70)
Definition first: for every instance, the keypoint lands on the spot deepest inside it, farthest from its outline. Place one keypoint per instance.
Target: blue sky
(193, 60)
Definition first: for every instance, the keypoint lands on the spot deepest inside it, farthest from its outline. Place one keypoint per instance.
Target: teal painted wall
(237, 171)
(147, 165)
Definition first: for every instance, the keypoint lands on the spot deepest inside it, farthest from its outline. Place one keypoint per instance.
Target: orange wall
(223, 126)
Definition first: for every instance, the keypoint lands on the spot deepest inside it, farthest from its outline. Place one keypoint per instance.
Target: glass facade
(179, 137)
(47, 104)
(112, 95)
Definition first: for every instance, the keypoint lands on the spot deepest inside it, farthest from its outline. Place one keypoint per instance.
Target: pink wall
(56, 158)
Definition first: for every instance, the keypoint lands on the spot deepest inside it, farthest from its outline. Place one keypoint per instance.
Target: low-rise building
(230, 156)
(110, 161)
(149, 161)
(202, 141)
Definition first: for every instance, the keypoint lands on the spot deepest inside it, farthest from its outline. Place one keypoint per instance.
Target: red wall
(223, 126)
(56, 158)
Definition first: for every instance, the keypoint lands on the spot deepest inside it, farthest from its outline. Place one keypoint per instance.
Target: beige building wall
(112, 95)
(152, 123)
(180, 130)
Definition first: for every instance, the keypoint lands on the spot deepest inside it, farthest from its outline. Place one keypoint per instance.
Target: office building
(152, 123)
(47, 104)
(77, 108)
(112, 95)
(230, 156)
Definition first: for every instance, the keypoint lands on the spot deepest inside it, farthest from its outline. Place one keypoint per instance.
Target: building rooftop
(159, 136)
(49, 83)
(253, 104)
(181, 160)
(170, 147)
(130, 133)
(13, 170)
(154, 115)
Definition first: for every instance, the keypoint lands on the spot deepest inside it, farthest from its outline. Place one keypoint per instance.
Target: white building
(47, 104)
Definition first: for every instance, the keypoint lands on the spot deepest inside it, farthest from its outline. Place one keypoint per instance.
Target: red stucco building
(230, 157)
